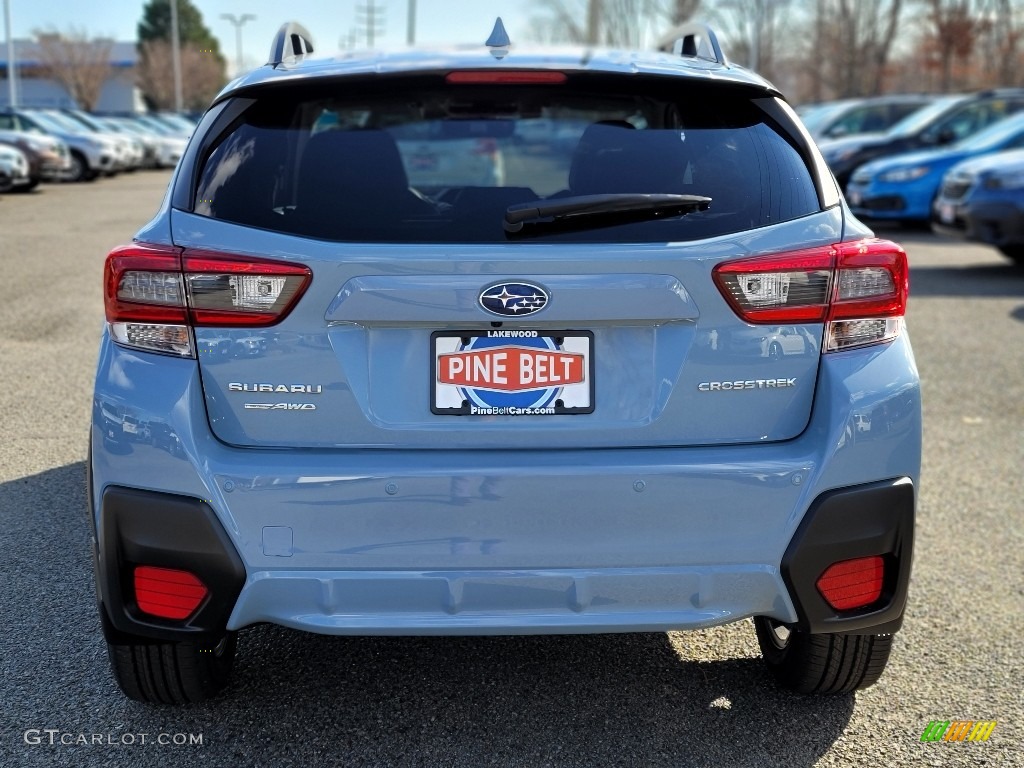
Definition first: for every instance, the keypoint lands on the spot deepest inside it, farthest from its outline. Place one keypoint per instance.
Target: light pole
(238, 22)
(176, 56)
(12, 67)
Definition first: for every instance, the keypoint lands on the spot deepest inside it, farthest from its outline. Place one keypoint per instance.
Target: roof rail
(694, 40)
(291, 43)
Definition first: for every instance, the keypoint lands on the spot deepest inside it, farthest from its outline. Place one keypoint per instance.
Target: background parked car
(91, 154)
(184, 125)
(945, 121)
(983, 200)
(168, 143)
(148, 141)
(904, 186)
(847, 117)
(130, 149)
(435, 158)
(13, 168)
(48, 156)
(161, 125)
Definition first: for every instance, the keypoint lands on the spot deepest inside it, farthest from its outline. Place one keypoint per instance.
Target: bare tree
(614, 23)
(954, 31)
(962, 44)
(858, 36)
(1001, 38)
(202, 75)
(682, 10)
(79, 63)
(752, 29)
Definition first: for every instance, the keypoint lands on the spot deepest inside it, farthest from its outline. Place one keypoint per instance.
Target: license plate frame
(566, 396)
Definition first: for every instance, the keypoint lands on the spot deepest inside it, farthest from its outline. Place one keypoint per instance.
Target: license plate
(946, 213)
(855, 197)
(512, 373)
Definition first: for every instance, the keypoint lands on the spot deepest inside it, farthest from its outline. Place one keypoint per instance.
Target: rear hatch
(564, 297)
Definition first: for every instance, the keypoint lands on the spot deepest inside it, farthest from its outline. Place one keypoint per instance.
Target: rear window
(422, 161)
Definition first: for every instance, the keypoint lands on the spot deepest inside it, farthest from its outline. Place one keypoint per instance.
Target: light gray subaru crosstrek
(480, 341)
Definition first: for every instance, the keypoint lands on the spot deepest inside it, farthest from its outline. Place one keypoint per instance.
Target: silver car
(13, 168)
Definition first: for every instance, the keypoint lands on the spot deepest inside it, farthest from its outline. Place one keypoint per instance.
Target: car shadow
(303, 699)
(992, 280)
(917, 232)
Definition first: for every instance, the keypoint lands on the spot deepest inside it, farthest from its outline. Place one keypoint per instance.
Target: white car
(782, 341)
(170, 143)
(13, 168)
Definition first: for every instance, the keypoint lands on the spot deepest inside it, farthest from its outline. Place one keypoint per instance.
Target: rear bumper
(144, 528)
(994, 222)
(540, 541)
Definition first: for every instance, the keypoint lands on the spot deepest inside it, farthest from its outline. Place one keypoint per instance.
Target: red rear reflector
(852, 583)
(167, 592)
(505, 76)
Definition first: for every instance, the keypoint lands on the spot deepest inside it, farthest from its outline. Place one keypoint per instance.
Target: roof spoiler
(694, 40)
(291, 43)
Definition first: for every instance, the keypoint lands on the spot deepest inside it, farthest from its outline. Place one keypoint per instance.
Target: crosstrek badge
(512, 373)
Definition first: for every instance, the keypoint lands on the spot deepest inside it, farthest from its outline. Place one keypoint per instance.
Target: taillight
(251, 292)
(167, 592)
(154, 294)
(859, 289)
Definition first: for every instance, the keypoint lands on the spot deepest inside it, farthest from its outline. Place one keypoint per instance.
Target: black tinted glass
(411, 163)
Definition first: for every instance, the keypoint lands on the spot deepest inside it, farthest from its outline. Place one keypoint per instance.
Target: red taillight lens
(153, 293)
(143, 282)
(860, 289)
(852, 583)
(168, 592)
(505, 77)
(872, 280)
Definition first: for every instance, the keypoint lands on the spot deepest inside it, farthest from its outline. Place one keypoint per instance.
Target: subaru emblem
(513, 299)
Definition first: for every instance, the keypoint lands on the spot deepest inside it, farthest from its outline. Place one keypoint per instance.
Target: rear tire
(821, 664)
(1014, 252)
(172, 673)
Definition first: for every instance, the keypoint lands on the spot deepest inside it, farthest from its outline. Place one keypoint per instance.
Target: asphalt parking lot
(682, 699)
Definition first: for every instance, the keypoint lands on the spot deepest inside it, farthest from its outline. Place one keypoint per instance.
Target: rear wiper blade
(591, 211)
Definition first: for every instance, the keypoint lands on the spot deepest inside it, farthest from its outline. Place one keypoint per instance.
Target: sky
(437, 21)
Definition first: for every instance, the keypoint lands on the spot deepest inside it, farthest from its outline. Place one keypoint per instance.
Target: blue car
(655, 378)
(983, 200)
(905, 186)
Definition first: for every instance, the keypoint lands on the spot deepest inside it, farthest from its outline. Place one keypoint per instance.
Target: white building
(120, 94)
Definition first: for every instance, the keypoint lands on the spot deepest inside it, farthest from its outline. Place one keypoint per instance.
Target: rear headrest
(615, 157)
(351, 163)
